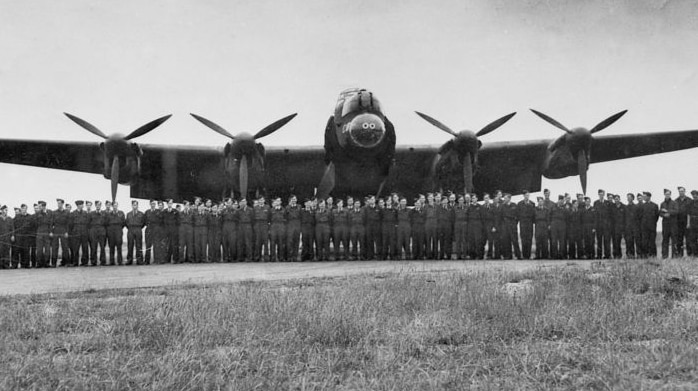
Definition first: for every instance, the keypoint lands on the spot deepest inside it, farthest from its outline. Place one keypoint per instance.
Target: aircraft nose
(367, 130)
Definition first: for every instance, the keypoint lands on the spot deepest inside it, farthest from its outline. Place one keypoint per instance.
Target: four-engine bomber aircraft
(360, 157)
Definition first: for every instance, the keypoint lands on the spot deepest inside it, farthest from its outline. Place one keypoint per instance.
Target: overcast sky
(245, 64)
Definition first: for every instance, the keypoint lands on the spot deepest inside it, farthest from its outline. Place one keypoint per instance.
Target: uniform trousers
(134, 241)
(98, 245)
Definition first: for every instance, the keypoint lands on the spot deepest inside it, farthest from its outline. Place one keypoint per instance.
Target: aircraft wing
(511, 166)
(62, 155)
(607, 148)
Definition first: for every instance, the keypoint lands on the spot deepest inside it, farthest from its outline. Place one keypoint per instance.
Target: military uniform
(575, 243)
(357, 232)
(373, 239)
(631, 232)
(649, 213)
(79, 232)
(245, 233)
(6, 232)
(149, 235)
(542, 226)
(186, 236)
(683, 204)
(444, 219)
(668, 211)
(460, 231)
(115, 236)
(404, 232)
(170, 226)
(558, 227)
(61, 220)
(293, 231)
(261, 232)
(44, 224)
(475, 228)
(200, 236)
(618, 226)
(603, 229)
(431, 233)
(419, 241)
(509, 232)
(229, 233)
(340, 222)
(135, 221)
(388, 234)
(277, 232)
(527, 215)
(489, 217)
(692, 228)
(588, 222)
(98, 237)
(215, 222)
(23, 236)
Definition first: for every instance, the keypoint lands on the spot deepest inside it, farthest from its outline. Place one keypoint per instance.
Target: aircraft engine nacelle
(243, 165)
(124, 153)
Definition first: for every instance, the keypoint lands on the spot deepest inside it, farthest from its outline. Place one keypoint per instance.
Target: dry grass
(620, 326)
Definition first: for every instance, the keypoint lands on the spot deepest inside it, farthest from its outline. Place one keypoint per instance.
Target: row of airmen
(436, 227)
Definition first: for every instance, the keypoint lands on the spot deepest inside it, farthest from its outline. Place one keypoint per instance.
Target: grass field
(630, 325)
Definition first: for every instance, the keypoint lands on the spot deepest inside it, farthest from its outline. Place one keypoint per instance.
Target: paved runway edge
(33, 281)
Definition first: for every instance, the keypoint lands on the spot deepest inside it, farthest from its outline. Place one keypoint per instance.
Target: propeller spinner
(465, 144)
(243, 145)
(118, 145)
(579, 141)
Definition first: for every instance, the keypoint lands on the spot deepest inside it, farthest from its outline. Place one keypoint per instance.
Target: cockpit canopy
(356, 100)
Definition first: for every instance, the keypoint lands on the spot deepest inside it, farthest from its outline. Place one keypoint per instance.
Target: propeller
(327, 182)
(466, 144)
(244, 144)
(117, 145)
(579, 141)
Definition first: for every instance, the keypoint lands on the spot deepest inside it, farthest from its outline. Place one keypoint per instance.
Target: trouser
(98, 239)
(277, 232)
(160, 244)
(431, 237)
(404, 231)
(445, 231)
(5, 245)
(588, 240)
(389, 239)
(229, 237)
(631, 239)
(617, 238)
(648, 237)
(261, 240)
(373, 241)
(20, 251)
(526, 228)
(574, 248)
(460, 233)
(603, 241)
(214, 245)
(293, 238)
(419, 242)
(59, 237)
(681, 234)
(492, 242)
(43, 248)
(669, 233)
(186, 243)
(357, 233)
(134, 240)
(542, 240)
(245, 235)
(80, 242)
(149, 238)
(510, 239)
(200, 244)
(692, 241)
(341, 238)
(475, 244)
(322, 238)
(115, 239)
(171, 244)
(557, 238)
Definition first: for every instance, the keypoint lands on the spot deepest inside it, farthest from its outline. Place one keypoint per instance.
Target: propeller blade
(215, 127)
(243, 176)
(114, 177)
(274, 127)
(86, 125)
(494, 125)
(147, 127)
(468, 173)
(327, 182)
(432, 170)
(437, 123)
(607, 122)
(582, 168)
(551, 121)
